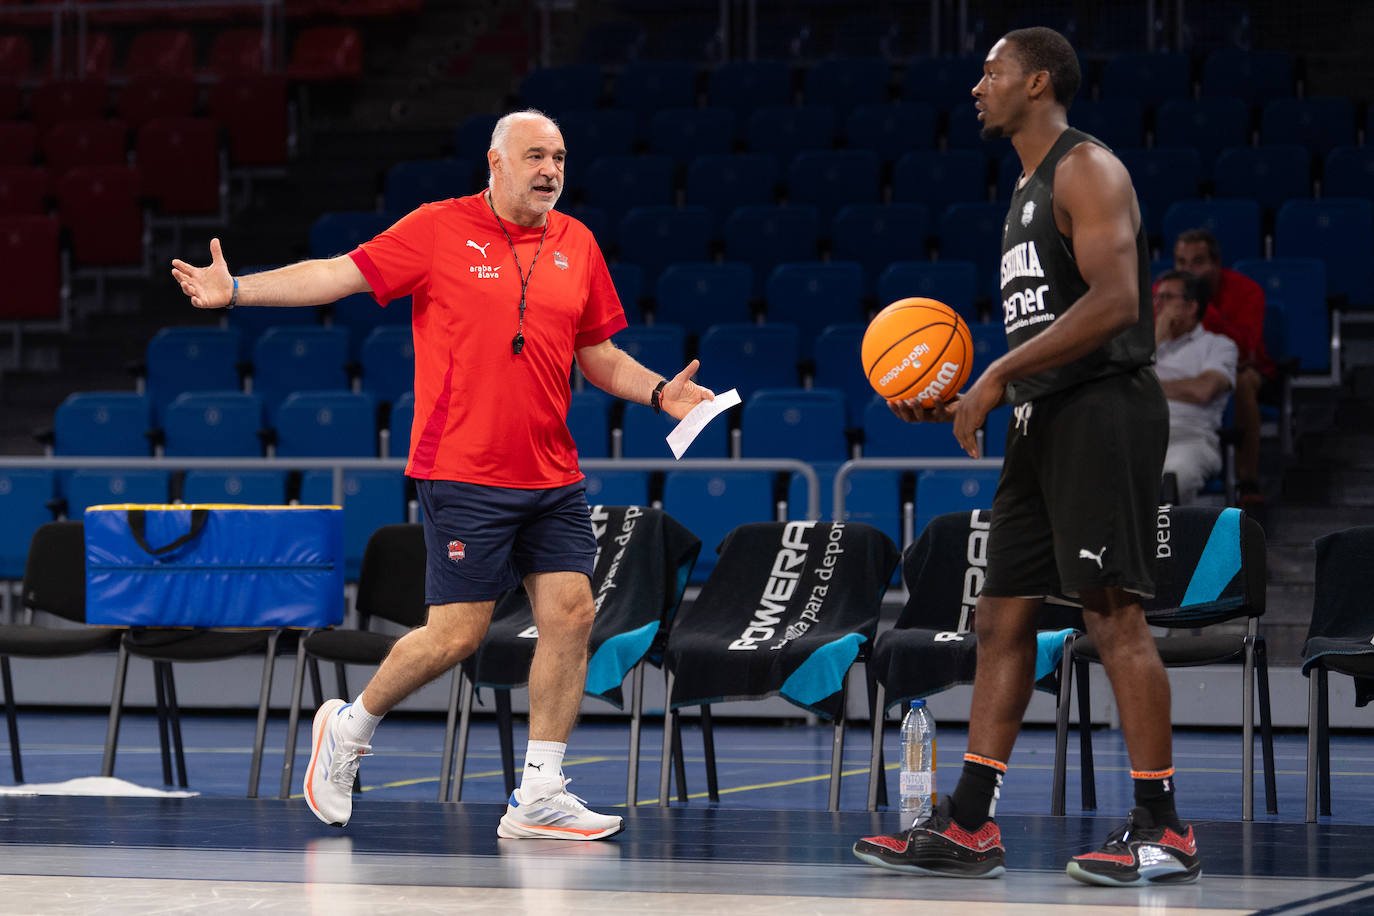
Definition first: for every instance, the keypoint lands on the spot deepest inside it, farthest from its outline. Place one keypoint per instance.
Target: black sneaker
(1140, 853)
(940, 847)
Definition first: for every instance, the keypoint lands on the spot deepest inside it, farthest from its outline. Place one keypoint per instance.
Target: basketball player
(1075, 505)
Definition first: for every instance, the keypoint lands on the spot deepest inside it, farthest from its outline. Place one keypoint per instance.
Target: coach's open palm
(681, 394)
(207, 287)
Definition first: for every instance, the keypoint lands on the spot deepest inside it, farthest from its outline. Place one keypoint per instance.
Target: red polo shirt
(1237, 310)
(483, 414)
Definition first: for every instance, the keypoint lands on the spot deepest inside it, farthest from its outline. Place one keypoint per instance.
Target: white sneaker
(559, 816)
(333, 766)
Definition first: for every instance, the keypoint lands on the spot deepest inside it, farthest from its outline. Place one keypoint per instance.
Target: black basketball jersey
(1040, 280)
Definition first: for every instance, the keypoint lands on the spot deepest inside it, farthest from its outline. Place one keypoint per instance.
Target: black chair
(788, 609)
(1340, 640)
(54, 584)
(931, 648)
(391, 587)
(644, 559)
(1210, 568)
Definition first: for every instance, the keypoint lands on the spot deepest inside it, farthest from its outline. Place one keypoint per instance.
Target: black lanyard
(517, 342)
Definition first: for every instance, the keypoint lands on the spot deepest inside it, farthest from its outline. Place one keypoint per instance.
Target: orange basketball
(917, 349)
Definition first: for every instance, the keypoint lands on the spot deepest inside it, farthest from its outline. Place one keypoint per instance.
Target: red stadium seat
(96, 61)
(327, 53)
(161, 52)
(18, 143)
(16, 58)
(94, 142)
(236, 52)
(178, 163)
(68, 100)
(253, 110)
(9, 101)
(32, 268)
(99, 205)
(23, 189)
(148, 97)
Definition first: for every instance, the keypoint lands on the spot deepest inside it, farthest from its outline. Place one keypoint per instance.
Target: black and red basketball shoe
(938, 847)
(1140, 853)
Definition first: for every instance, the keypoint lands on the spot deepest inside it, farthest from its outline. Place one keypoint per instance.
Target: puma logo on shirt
(481, 248)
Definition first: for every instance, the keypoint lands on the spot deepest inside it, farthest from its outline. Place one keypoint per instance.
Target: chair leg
(293, 720)
(505, 726)
(636, 722)
(464, 726)
(11, 719)
(316, 683)
(1312, 745)
(665, 760)
(1271, 801)
(341, 678)
(1059, 782)
(708, 741)
(450, 725)
(837, 747)
(116, 709)
(1324, 743)
(269, 665)
(877, 699)
(679, 757)
(1247, 733)
(1087, 776)
(174, 717)
(160, 694)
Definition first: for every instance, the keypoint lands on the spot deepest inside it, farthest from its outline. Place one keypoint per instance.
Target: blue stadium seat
(1339, 231)
(964, 131)
(874, 497)
(1147, 77)
(989, 342)
(995, 432)
(647, 86)
(660, 346)
(554, 90)
(839, 365)
(813, 294)
(1235, 223)
(1119, 123)
(945, 82)
(359, 315)
(751, 356)
(618, 183)
(1267, 174)
(1299, 285)
(472, 137)
(99, 487)
(722, 183)
(190, 359)
(831, 179)
(590, 133)
(251, 487)
(111, 423)
(340, 231)
(643, 434)
(877, 235)
(594, 218)
(973, 232)
(1349, 172)
(213, 424)
(654, 237)
(617, 488)
(1162, 176)
(327, 424)
(398, 425)
(938, 179)
(806, 424)
(1319, 123)
(786, 129)
(1210, 125)
(696, 296)
(628, 280)
(298, 359)
(843, 82)
(891, 128)
(766, 236)
(371, 499)
(24, 497)
(711, 504)
(422, 181)
(798, 498)
(953, 282)
(888, 436)
(388, 363)
(685, 133)
(612, 42)
(1254, 76)
(941, 491)
(588, 423)
(747, 85)
(251, 321)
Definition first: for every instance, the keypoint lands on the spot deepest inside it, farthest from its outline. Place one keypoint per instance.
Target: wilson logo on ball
(917, 349)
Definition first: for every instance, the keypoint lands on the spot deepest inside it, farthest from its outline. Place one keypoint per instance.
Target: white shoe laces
(565, 799)
(343, 763)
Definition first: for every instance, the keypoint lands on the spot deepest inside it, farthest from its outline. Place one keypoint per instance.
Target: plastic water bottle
(918, 764)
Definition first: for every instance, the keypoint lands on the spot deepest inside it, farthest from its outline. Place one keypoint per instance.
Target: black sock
(1154, 791)
(974, 800)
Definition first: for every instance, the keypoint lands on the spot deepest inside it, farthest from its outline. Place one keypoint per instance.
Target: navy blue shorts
(482, 541)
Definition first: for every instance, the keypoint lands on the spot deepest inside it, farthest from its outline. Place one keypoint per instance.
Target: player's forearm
(307, 283)
(1089, 323)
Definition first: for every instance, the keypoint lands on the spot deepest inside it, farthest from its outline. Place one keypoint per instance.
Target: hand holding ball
(917, 349)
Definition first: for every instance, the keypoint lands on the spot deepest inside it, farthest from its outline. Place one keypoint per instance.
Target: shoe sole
(510, 829)
(995, 871)
(1081, 874)
(327, 709)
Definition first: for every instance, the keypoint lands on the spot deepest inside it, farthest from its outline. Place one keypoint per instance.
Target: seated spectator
(1236, 309)
(1197, 370)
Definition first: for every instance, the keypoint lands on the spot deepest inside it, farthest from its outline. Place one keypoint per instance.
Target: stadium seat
(161, 53)
(1210, 125)
(113, 423)
(18, 143)
(945, 82)
(628, 280)
(654, 237)
(252, 321)
(874, 497)
(189, 359)
(989, 342)
(888, 436)
(941, 491)
(398, 425)
(340, 231)
(287, 359)
(371, 499)
(748, 85)
(953, 282)
(995, 431)
(711, 504)
(890, 128)
(843, 82)
(253, 110)
(1299, 286)
(612, 42)
(1162, 176)
(1340, 232)
(938, 179)
(260, 487)
(643, 434)
(813, 294)
(806, 424)
(1269, 175)
(766, 236)
(178, 163)
(1349, 172)
(213, 424)
(1235, 223)
(235, 53)
(1318, 123)
(617, 488)
(973, 232)
(696, 296)
(588, 422)
(659, 347)
(724, 182)
(35, 292)
(24, 497)
(16, 62)
(752, 356)
(422, 181)
(388, 362)
(326, 424)
(147, 97)
(618, 183)
(1119, 123)
(554, 90)
(876, 235)
(831, 179)
(68, 100)
(785, 130)
(1150, 78)
(472, 137)
(648, 86)
(1254, 76)
(94, 487)
(685, 133)
(100, 141)
(23, 190)
(591, 133)
(839, 365)
(326, 54)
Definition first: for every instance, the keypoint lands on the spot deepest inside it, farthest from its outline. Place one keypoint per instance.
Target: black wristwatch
(656, 398)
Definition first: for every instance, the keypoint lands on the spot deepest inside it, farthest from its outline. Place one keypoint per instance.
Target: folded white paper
(691, 425)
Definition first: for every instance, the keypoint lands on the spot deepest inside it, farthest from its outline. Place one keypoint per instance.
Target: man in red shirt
(496, 469)
(1235, 309)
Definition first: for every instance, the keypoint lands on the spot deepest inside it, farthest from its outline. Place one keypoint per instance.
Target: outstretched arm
(307, 283)
(616, 372)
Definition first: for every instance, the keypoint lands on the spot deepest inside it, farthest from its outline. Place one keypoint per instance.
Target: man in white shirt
(1197, 370)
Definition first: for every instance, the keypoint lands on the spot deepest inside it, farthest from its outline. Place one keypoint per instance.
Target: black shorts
(1076, 503)
(481, 541)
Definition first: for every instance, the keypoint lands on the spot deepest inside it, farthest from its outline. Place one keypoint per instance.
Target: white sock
(357, 723)
(543, 771)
